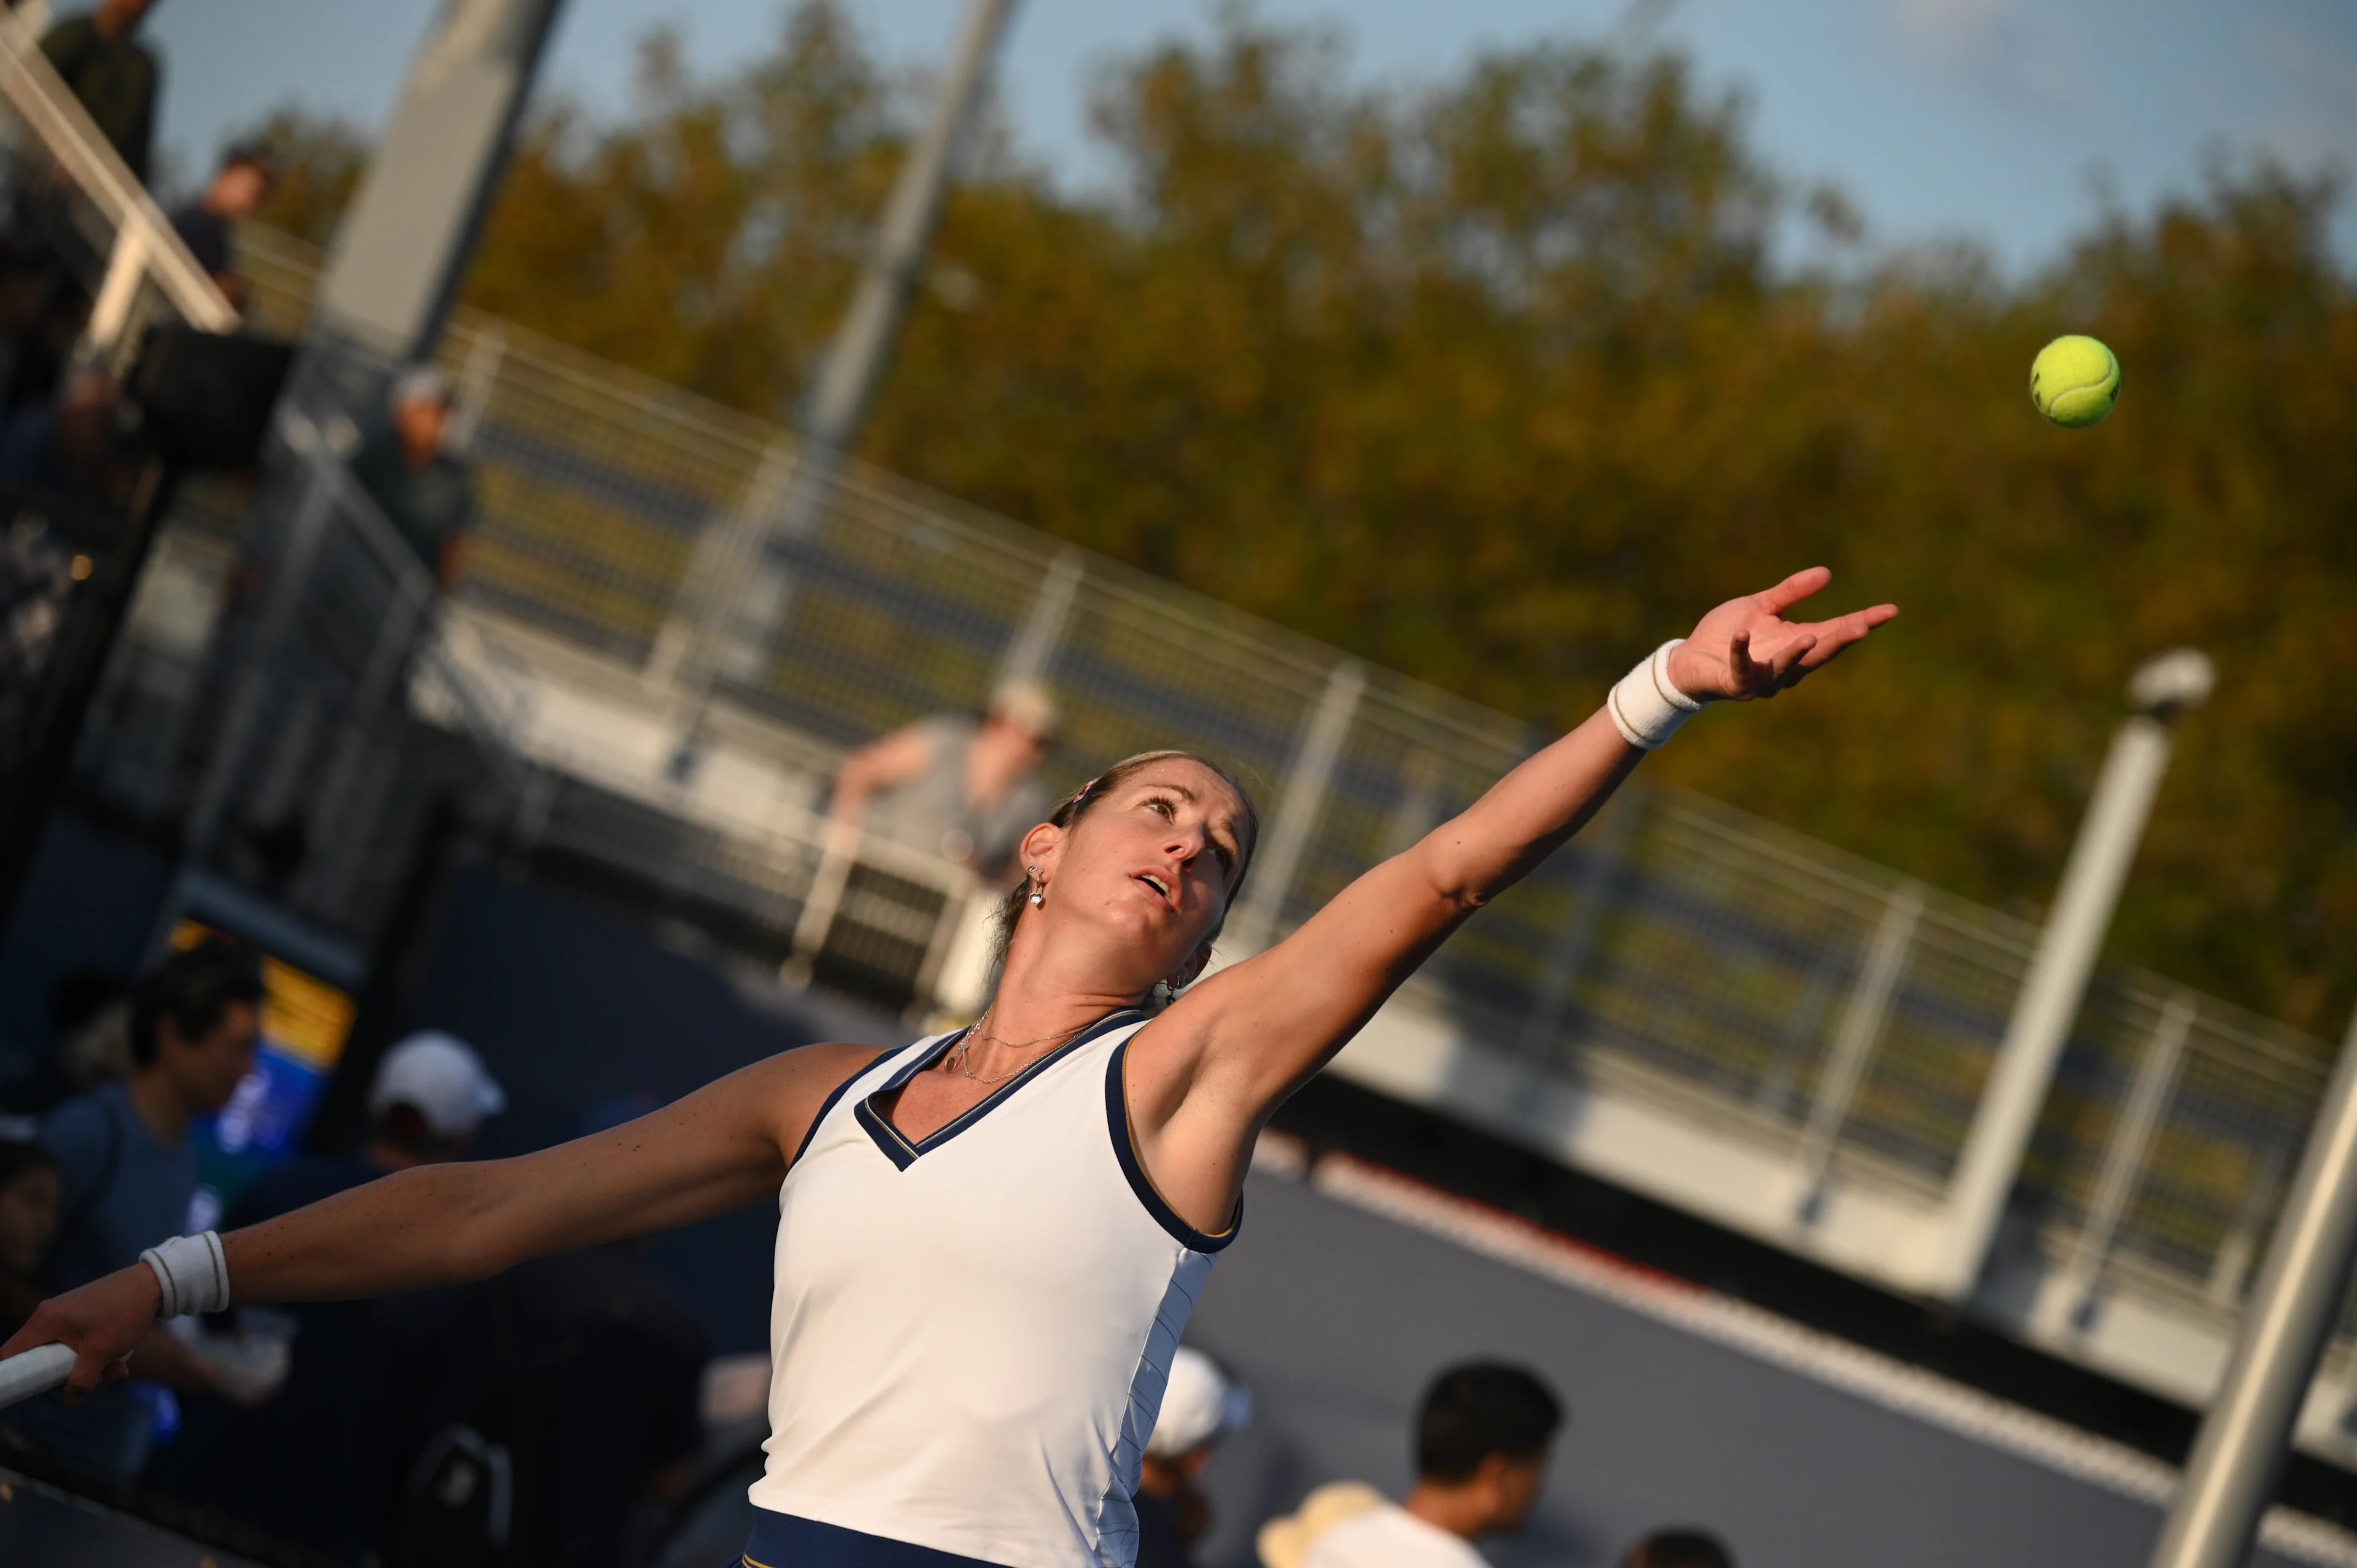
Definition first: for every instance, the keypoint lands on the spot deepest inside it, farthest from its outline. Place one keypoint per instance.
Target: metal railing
(67, 186)
(1681, 948)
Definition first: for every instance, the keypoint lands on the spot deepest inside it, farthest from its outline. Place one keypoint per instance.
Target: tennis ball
(2074, 381)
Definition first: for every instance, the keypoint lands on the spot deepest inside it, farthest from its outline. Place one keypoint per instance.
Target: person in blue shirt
(129, 1173)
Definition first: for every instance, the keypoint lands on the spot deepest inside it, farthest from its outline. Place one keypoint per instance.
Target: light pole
(2161, 689)
(838, 405)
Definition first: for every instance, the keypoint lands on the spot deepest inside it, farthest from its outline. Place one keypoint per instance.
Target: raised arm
(1238, 1043)
(720, 1148)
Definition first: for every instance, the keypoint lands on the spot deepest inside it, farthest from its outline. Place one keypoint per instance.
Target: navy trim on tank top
(896, 1146)
(1124, 1149)
(826, 1105)
(789, 1541)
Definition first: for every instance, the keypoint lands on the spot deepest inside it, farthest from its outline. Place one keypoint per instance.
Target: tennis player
(988, 1242)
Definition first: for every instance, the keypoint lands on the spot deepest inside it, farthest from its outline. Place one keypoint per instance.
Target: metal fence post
(1255, 921)
(1035, 641)
(246, 698)
(1600, 866)
(2239, 1455)
(2124, 1160)
(1853, 1044)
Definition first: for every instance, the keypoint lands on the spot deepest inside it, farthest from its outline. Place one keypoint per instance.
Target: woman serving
(988, 1242)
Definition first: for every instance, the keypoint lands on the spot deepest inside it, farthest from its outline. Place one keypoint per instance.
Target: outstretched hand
(1746, 649)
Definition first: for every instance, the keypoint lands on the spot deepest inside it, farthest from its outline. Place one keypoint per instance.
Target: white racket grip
(35, 1372)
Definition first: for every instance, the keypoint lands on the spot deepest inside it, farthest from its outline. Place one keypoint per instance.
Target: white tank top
(970, 1333)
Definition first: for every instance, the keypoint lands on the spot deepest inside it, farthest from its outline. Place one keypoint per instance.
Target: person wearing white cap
(1200, 1404)
(432, 1094)
(312, 1464)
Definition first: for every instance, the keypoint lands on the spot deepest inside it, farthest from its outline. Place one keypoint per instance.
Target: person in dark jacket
(116, 77)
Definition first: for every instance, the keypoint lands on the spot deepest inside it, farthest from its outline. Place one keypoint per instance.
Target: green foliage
(1494, 382)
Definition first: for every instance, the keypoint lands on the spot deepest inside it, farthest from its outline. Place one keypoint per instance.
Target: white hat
(1198, 1403)
(422, 383)
(442, 1079)
(1027, 706)
(1284, 1542)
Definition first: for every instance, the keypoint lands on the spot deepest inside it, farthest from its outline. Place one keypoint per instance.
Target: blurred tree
(1496, 381)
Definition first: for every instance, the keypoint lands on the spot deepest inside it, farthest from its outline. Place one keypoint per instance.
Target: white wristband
(193, 1272)
(1647, 709)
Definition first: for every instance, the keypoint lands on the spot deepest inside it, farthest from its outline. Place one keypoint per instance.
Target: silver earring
(1036, 898)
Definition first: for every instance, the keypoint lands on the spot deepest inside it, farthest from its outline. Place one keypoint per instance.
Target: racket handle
(36, 1372)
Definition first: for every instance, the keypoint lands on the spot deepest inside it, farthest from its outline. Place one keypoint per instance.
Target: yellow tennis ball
(2074, 381)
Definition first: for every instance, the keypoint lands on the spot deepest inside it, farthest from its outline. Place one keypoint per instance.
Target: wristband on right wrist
(193, 1274)
(1645, 707)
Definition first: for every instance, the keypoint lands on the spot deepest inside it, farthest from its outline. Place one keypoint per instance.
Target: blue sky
(1991, 120)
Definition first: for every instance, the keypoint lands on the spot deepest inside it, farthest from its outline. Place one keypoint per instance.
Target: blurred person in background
(1200, 1405)
(115, 76)
(27, 281)
(951, 786)
(89, 1044)
(30, 1189)
(69, 448)
(1679, 1548)
(1483, 1436)
(313, 1463)
(425, 490)
(564, 1394)
(207, 225)
(130, 1173)
(1285, 1541)
(42, 349)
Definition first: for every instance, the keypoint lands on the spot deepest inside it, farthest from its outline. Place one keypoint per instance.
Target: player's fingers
(1793, 589)
(1786, 668)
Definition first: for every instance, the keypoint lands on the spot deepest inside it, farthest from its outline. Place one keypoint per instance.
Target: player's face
(1156, 859)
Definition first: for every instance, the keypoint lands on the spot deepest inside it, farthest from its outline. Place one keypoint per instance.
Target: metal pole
(1254, 924)
(2239, 1455)
(411, 228)
(2059, 971)
(855, 365)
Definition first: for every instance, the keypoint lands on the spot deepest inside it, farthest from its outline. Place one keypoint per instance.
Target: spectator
(114, 74)
(44, 346)
(1679, 1548)
(1200, 1406)
(576, 1379)
(29, 1190)
(1285, 1541)
(130, 1173)
(965, 792)
(68, 448)
(90, 1042)
(27, 283)
(313, 1465)
(1481, 1446)
(424, 490)
(239, 186)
